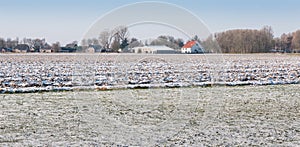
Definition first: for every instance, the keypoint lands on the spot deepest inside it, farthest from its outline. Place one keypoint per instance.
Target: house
(21, 48)
(4, 50)
(153, 50)
(94, 49)
(192, 47)
(90, 50)
(69, 48)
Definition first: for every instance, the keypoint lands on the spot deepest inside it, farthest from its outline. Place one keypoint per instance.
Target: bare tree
(95, 41)
(115, 46)
(296, 40)
(84, 42)
(122, 32)
(286, 41)
(56, 47)
(246, 40)
(106, 38)
(2, 43)
(169, 41)
(111, 39)
(135, 44)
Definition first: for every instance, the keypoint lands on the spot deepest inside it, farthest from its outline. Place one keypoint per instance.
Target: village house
(90, 50)
(5, 50)
(69, 48)
(192, 47)
(93, 49)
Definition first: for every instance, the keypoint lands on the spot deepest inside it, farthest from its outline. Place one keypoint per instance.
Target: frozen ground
(21, 73)
(201, 116)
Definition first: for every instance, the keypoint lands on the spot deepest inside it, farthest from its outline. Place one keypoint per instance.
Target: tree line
(230, 41)
(118, 39)
(253, 41)
(34, 44)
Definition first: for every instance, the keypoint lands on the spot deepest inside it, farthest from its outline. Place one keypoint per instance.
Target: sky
(68, 20)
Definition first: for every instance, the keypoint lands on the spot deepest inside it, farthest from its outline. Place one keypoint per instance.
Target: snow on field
(161, 100)
(199, 116)
(21, 73)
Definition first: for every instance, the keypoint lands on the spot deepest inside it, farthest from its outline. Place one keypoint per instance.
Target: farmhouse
(4, 50)
(90, 50)
(153, 50)
(93, 49)
(192, 47)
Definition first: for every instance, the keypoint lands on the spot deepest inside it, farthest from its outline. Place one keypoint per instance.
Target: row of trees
(246, 41)
(231, 41)
(35, 44)
(114, 39)
(252, 41)
(288, 42)
(169, 41)
(296, 40)
(118, 38)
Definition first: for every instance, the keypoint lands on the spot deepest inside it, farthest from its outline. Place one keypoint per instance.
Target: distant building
(90, 50)
(153, 50)
(94, 49)
(21, 48)
(192, 47)
(46, 49)
(4, 50)
(69, 48)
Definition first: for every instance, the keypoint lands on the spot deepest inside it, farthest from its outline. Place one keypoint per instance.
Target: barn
(153, 50)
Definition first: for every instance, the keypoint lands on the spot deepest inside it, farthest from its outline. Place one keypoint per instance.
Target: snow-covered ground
(196, 111)
(199, 116)
(21, 73)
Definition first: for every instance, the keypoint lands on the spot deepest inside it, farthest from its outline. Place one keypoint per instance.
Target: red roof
(189, 44)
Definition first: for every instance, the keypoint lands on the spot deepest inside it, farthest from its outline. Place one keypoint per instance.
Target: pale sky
(69, 20)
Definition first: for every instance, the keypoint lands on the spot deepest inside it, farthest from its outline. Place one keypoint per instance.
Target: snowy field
(164, 100)
(200, 116)
(21, 73)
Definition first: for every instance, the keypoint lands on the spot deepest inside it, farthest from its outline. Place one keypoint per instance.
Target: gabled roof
(189, 44)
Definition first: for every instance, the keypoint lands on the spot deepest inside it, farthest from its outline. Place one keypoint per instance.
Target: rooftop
(189, 44)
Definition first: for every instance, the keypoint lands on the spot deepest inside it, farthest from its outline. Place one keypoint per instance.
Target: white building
(90, 50)
(153, 50)
(46, 50)
(192, 47)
